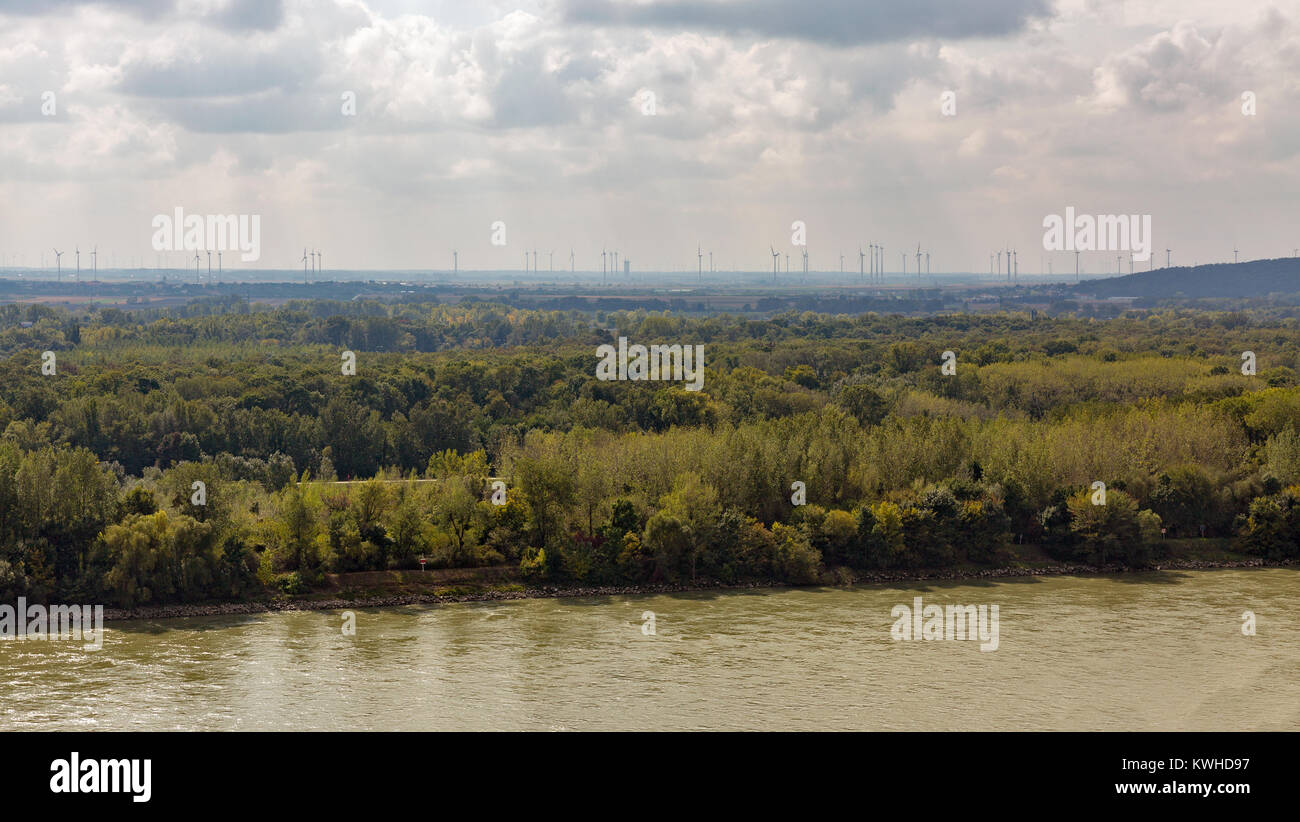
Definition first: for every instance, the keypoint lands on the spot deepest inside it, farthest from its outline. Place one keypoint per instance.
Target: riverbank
(462, 590)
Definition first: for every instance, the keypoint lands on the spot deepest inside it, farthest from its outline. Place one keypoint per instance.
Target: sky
(388, 133)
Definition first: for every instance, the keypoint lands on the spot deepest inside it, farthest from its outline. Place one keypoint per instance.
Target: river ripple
(1158, 651)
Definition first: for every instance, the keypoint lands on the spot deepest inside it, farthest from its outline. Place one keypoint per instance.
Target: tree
(297, 527)
(1106, 533)
(864, 403)
(455, 508)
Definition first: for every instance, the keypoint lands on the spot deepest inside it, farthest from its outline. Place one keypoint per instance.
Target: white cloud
(532, 115)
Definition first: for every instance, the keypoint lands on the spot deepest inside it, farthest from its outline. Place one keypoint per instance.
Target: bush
(292, 583)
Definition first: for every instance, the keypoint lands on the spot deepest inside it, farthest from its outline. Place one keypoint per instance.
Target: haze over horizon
(533, 114)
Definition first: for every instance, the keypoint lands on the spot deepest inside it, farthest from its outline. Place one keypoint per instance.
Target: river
(1151, 651)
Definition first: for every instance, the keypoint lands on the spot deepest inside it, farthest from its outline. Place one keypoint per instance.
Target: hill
(1256, 278)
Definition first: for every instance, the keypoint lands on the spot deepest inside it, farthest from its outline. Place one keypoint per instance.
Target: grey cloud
(273, 113)
(250, 14)
(220, 72)
(147, 8)
(839, 22)
(235, 15)
(527, 96)
(1175, 68)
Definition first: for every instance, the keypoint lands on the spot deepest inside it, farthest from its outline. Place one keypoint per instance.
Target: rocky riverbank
(400, 599)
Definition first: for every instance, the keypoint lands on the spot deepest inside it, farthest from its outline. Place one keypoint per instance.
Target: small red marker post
(422, 561)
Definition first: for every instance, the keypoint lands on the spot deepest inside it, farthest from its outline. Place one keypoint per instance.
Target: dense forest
(219, 450)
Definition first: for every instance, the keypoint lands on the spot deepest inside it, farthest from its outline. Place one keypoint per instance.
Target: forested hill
(1256, 278)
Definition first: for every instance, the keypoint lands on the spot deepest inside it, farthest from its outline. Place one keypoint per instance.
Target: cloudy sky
(533, 113)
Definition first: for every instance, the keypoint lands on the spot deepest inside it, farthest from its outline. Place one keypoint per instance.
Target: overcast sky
(532, 113)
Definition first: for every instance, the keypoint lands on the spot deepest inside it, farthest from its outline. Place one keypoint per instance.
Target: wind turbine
(58, 261)
(776, 255)
(805, 262)
(1076, 267)
(196, 267)
(862, 259)
(78, 263)
(571, 258)
(209, 253)
(918, 259)
(550, 261)
(218, 267)
(1166, 258)
(841, 263)
(304, 265)
(94, 263)
(699, 262)
(903, 254)
(602, 265)
(927, 263)
(1015, 265)
(1234, 254)
(710, 262)
(455, 261)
